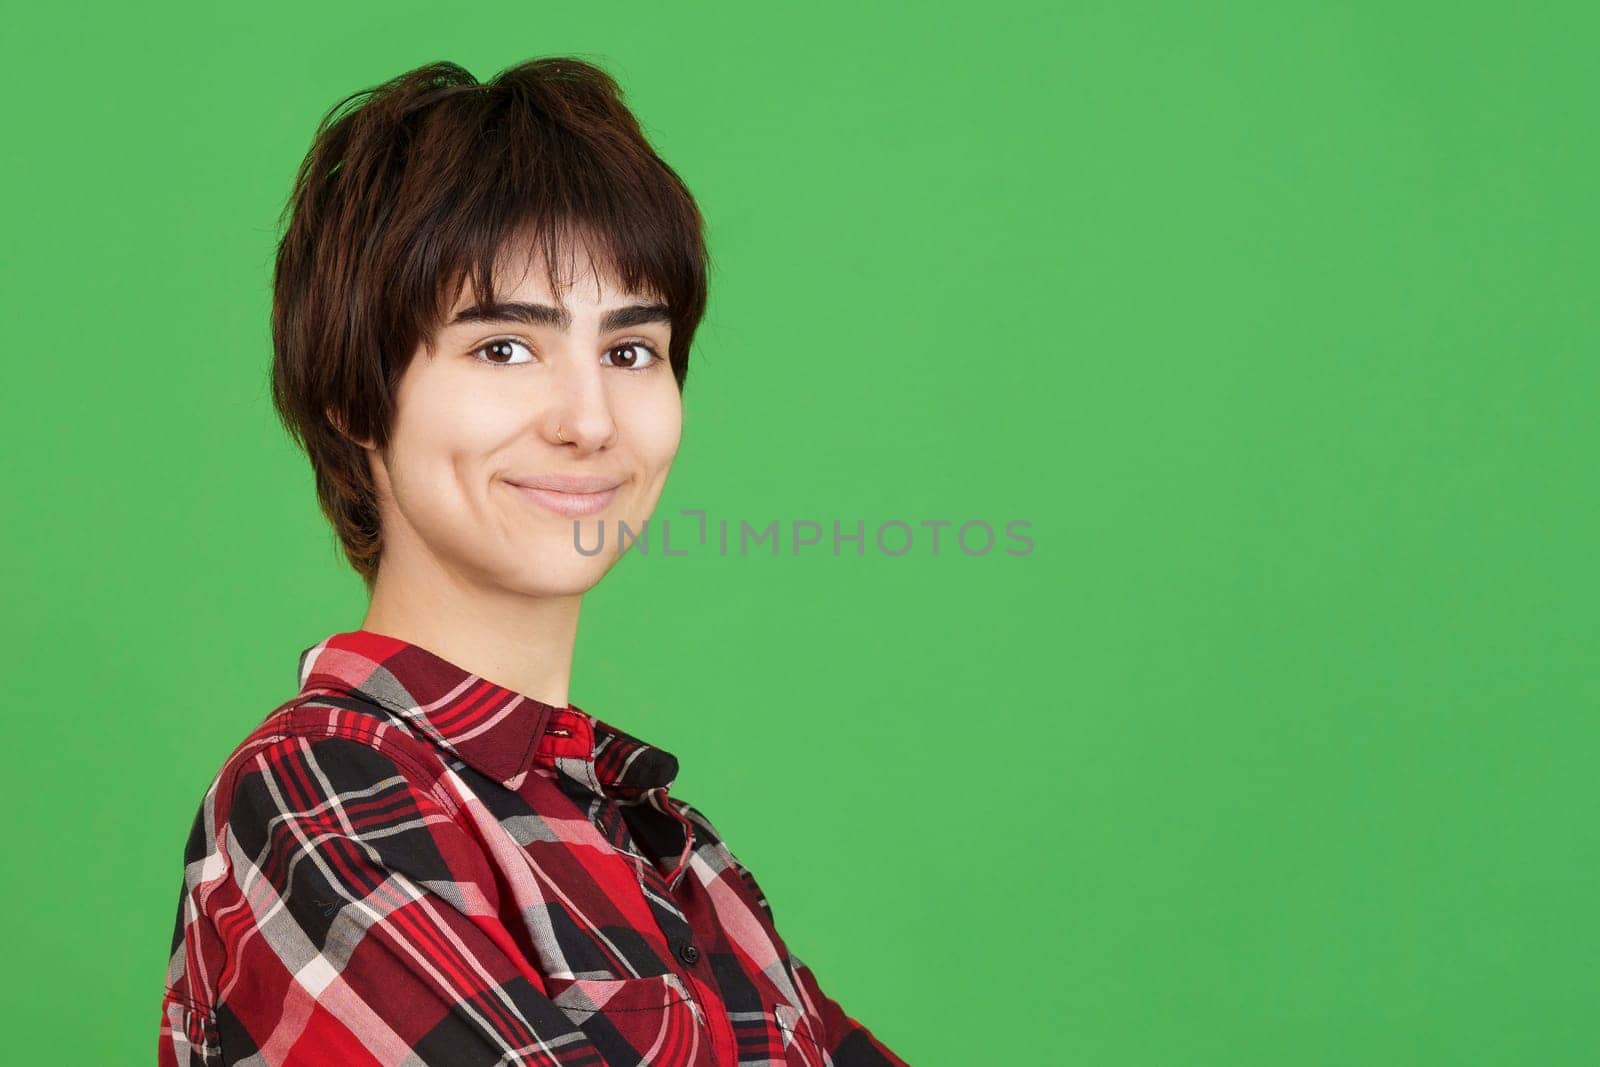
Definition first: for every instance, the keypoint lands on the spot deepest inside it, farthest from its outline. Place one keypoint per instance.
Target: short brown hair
(420, 188)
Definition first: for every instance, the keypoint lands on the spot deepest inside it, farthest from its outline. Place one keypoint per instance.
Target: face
(575, 394)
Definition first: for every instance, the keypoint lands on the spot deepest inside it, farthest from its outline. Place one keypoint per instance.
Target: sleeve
(848, 1042)
(360, 924)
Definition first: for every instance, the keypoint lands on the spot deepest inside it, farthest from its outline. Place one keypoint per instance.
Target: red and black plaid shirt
(410, 864)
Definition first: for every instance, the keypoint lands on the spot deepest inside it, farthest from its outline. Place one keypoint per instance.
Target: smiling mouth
(572, 505)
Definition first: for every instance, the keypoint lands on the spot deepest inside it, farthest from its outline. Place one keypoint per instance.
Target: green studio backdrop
(1275, 325)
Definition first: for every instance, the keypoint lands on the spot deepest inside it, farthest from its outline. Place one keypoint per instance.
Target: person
(483, 307)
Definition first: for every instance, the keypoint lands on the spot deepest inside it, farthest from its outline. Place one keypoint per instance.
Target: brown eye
(639, 356)
(501, 352)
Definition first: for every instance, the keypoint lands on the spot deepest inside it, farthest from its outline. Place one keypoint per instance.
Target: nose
(579, 416)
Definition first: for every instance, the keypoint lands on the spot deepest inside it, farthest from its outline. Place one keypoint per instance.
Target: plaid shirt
(407, 863)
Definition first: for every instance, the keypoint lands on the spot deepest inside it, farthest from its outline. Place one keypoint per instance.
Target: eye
(501, 352)
(633, 361)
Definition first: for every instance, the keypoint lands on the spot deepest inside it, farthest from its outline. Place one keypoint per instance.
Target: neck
(521, 642)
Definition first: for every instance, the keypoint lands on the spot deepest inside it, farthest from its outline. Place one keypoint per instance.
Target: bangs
(561, 246)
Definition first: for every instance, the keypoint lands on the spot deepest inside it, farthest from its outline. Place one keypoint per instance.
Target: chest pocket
(650, 1020)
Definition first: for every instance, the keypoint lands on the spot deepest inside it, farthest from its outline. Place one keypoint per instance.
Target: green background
(1279, 327)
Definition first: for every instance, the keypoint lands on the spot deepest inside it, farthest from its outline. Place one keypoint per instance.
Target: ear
(338, 424)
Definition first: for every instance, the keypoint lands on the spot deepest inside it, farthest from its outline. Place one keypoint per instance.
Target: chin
(546, 575)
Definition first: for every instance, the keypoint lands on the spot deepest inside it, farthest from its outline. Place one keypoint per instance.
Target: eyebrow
(544, 315)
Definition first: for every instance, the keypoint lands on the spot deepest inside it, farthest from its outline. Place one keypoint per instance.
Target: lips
(571, 496)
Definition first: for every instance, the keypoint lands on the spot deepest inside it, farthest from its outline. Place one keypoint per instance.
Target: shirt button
(688, 952)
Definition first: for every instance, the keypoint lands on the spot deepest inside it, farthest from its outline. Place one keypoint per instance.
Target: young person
(484, 303)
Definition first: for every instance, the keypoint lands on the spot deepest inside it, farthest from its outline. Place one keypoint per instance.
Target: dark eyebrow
(545, 315)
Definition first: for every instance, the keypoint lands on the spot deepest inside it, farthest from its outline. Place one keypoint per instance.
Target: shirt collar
(498, 731)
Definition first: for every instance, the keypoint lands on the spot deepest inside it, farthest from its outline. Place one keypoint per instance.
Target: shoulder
(323, 791)
(316, 807)
(307, 753)
(721, 857)
(704, 828)
(710, 839)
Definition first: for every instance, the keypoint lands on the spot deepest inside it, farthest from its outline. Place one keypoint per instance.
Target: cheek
(441, 439)
(656, 428)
